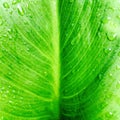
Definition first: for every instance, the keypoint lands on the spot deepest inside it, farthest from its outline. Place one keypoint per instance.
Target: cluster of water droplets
(15, 3)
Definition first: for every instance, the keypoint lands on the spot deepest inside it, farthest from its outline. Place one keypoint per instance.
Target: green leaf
(59, 59)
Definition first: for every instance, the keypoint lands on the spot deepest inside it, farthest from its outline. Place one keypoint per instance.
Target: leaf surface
(59, 60)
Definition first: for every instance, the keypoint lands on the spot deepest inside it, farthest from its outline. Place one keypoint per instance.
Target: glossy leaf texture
(59, 60)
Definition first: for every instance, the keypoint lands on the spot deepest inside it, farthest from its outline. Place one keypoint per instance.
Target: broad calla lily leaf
(59, 60)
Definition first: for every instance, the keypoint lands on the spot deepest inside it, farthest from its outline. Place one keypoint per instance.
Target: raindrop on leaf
(110, 75)
(15, 2)
(118, 67)
(111, 36)
(108, 50)
(72, 24)
(6, 5)
(13, 91)
(20, 10)
(100, 76)
(118, 16)
(72, 42)
(118, 84)
(11, 12)
(10, 101)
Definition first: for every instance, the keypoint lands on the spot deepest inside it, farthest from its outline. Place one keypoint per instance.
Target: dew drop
(118, 16)
(7, 91)
(9, 30)
(25, 22)
(73, 71)
(3, 88)
(108, 50)
(72, 24)
(1, 118)
(118, 67)
(110, 75)
(28, 49)
(11, 12)
(45, 73)
(9, 73)
(111, 36)
(72, 42)
(21, 98)
(105, 20)
(9, 86)
(13, 91)
(110, 113)
(14, 97)
(10, 101)
(4, 96)
(20, 10)
(6, 5)
(15, 2)
(100, 76)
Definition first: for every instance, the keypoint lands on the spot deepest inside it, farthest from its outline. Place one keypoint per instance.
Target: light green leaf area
(59, 60)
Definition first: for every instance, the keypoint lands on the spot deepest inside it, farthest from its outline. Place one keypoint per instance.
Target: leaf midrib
(56, 59)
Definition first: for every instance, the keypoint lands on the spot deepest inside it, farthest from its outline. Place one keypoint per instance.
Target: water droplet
(105, 20)
(45, 73)
(6, 5)
(118, 67)
(7, 91)
(110, 75)
(108, 50)
(13, 91)
(28, 49)
(9, 73)
(11, 12)
(100, 76)
(15, 2)
(102, 83)
(73, 71)
(14, 97)
(26, 22)
(9, 86)
(10, 37)
(118, 16)
(99, 14)
(72, 24)
(111, 8)
(21, 98)
(1, 118)
(10, 101)
(3, 88)
(4, 96)
(20, 10)
(110, 113)
(72, 42)
(111, 36)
